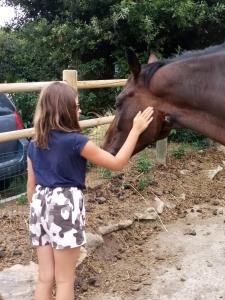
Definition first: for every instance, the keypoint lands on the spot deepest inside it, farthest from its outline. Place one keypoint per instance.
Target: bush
(188, 136)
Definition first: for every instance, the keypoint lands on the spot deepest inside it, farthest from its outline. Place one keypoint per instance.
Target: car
(13, 154)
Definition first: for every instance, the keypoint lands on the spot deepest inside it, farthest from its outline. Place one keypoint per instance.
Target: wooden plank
(24, 133)
(37, 86)
(161, 151)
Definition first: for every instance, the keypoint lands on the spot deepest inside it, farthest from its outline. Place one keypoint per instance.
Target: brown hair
(56, 109)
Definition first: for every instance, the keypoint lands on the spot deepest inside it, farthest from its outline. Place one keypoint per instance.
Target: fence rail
(70, 77)
(24, 133)
(37, 86)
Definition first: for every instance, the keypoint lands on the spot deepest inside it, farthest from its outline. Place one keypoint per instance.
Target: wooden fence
(70, 76)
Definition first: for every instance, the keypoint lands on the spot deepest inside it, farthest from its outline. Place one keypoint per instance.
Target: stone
(100, 200)
(149, 214)
(189, 231)
(114, 227)
(159, 205)
(18, 282)
(94, 241)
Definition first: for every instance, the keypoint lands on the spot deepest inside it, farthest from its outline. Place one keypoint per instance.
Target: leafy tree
(91, 36)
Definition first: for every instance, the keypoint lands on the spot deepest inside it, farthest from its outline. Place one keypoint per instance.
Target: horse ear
(133, 62)
(152, 58)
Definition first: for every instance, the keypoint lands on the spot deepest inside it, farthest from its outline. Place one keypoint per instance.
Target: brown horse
(187, 91)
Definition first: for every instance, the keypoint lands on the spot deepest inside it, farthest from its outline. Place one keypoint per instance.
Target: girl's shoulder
(70, 137)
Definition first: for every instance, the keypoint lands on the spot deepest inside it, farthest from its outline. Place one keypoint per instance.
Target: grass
(143, 163)
(22, 200)
(179, 152)
(144, 182)
(106, 174)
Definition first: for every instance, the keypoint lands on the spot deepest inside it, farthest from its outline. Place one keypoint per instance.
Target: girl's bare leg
(46, 273)
(65, 265)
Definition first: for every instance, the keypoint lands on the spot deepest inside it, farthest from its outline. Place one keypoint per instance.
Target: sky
(6, 14)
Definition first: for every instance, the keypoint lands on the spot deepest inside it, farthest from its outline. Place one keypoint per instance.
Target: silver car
(12, 153)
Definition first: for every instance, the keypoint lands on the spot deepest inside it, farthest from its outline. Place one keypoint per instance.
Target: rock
(178, 267)
(189, 231)
(136, 288)
(2, 253)
(212, 173)
(173, 176)
(158, 193)
(14, 287)
(159, 205)
(100, 200)
(136, 279)
(149, 214)
(170, 205)
(160, 258)
(94, 241)
(196, 201)
(183, 279)
(215, 212)
(17, 252)
(114, 227)
(89, 198)
(215, 202)
(92, 281)
(84, 288)
(184, 172)
(209, 264)
(183, 196)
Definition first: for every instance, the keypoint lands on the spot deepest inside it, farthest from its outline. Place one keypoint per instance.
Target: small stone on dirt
(136, 288)
(100, 200)
(215, 202)
(160, 258)
(17, 252)
(189, 231)
(2, 253)
(215, 212)
(209, 264)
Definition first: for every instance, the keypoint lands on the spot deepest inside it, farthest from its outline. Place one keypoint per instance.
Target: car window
(6, 106)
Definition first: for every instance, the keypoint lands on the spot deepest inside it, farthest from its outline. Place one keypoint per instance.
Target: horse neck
(197, 83)
(192, 93)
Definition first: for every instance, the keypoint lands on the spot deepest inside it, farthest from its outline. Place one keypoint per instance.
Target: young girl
(56, 176)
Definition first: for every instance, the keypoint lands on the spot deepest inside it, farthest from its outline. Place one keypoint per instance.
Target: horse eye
(118, 104)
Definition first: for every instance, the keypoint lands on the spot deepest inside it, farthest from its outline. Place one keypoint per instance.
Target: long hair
(56, 109)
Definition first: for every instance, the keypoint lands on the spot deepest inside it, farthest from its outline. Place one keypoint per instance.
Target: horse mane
(197, 53)
(150, 69)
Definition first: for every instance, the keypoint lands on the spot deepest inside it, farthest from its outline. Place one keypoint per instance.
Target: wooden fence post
(70, 76)
(161, 151)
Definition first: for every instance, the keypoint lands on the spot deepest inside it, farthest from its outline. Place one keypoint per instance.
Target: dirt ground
(130, 258)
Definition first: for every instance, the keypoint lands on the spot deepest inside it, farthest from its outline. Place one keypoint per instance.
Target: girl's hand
(143, 119)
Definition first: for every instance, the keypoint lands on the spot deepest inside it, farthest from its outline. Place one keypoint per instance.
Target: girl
(56, 177)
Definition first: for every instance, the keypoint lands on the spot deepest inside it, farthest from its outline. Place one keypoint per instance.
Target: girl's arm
(103, 158)
(31, 180)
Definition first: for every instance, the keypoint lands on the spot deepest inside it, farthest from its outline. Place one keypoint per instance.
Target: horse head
(134, 97)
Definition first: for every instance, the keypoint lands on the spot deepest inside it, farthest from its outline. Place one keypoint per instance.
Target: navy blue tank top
(61, 165)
